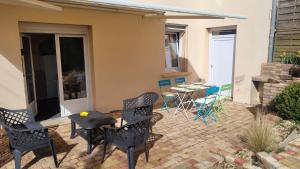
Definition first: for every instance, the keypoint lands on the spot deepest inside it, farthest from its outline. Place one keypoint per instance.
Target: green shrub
(287, 104)
(260, 136)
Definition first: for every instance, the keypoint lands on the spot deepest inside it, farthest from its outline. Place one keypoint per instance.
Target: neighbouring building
(67, 56)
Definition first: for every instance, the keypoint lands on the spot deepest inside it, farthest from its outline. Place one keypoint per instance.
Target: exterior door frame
(210, 51)
(61, 29)
(32, 105)
(86, 64)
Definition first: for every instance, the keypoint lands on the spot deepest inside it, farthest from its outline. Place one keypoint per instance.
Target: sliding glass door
(72, 73)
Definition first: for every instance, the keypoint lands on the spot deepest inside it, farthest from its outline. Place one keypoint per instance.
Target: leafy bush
(287, 104)
(259, 136)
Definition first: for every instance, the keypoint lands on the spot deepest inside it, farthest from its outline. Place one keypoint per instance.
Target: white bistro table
(185, 94)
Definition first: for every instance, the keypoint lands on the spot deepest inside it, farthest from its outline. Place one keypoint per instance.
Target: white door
(28, 73)
(221, 58)
(72, 73)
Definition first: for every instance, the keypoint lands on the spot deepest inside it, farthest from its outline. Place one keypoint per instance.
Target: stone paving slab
(287, 159)
(290, 158)
(176, 143)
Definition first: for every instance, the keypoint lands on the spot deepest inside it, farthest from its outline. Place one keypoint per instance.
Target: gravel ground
(225, 165)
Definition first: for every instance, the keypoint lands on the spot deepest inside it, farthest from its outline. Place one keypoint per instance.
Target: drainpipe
(272, 31)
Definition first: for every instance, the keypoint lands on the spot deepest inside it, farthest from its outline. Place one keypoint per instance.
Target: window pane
(28, 69)
(171, 50)
(224, 32)
(73, 67)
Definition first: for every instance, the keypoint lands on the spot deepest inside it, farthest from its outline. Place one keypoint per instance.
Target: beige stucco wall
(126, 53)
(251, 41)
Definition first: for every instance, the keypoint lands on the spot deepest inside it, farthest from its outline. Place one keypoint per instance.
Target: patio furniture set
(207, 99)
(25, 134)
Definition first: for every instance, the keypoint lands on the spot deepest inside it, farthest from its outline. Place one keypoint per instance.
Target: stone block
(268, 161)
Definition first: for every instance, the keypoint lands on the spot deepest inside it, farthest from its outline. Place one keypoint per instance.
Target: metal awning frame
(146, 10)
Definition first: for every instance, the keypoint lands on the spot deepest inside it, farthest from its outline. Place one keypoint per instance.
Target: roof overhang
(147, 10)
(32, 3)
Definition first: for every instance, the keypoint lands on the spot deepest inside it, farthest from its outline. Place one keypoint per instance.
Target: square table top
(93, 120)
(189, 88)
(182, 89)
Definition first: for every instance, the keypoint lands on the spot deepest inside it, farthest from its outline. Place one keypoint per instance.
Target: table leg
(181, 106)
(73, 129)
(89, 140)
(190, 101)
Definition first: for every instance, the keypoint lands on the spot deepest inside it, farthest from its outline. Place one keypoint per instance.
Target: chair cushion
(168, 94)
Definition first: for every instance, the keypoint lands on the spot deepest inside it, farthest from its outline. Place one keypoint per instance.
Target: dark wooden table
(90, 126)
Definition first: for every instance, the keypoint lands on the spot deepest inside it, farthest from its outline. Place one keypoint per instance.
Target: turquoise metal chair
(180, 80)
(204, 106)
(165, 93)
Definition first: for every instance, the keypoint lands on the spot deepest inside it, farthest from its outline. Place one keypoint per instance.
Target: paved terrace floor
(176, 143)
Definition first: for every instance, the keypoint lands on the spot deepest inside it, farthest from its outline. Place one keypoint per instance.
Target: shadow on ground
(153, 137)
(59, 143)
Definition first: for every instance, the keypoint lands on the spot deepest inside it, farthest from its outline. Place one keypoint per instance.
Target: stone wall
(274, 78)
(271, 90)
(276, 71)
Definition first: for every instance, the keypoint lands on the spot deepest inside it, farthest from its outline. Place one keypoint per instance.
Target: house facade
(86, 57)
(250, 48)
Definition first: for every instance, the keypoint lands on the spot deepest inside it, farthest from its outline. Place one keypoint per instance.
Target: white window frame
(177, 52)
(179, 30)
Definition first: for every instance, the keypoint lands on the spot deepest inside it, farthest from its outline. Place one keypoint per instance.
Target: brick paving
(175, 143)
(290, 158)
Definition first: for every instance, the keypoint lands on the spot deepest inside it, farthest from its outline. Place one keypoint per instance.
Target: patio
(176, 143)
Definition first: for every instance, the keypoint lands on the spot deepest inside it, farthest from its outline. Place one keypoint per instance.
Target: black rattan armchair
(24, 134)
(142, 106)
(128, 137)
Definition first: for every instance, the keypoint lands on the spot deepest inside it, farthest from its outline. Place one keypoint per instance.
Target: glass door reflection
(73, 67)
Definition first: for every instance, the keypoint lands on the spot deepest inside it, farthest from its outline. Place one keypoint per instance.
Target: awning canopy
(32, 3)
(147, 10)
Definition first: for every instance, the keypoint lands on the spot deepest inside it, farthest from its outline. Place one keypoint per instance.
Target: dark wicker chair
(24, 134)
(139, 106)
(128, 137)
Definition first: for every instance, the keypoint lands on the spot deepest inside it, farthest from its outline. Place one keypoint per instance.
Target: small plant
(245, 154)
(290, 57)
(259, 136)
(279, 150)
(287, 104)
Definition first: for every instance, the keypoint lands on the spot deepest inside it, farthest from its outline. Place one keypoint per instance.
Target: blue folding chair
(165, 93)
(204, 106)
(179, 80)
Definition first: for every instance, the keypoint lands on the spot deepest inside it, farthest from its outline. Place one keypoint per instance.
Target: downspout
(272, 31)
